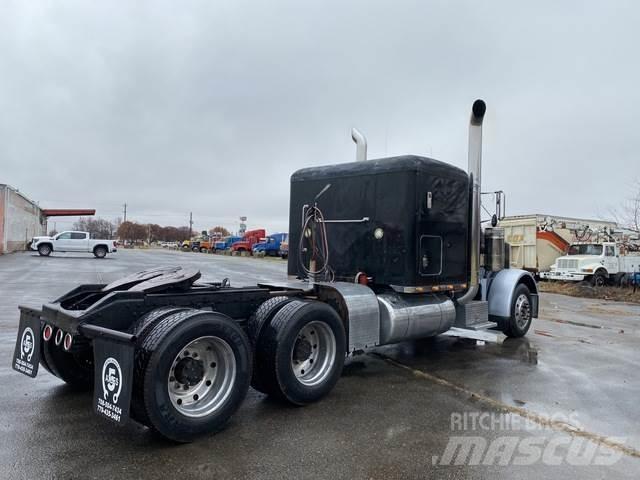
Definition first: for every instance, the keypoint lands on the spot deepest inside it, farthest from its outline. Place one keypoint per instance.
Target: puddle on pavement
(448, 351)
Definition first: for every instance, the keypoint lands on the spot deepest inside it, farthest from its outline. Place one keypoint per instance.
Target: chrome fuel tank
(404, 317)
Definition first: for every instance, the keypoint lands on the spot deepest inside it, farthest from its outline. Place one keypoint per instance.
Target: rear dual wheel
(300, 352)
(74, 367)
(192, 372)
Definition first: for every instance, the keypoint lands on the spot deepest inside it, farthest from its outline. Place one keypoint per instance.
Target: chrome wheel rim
(522, 311)
(202, 376)
(313, 353)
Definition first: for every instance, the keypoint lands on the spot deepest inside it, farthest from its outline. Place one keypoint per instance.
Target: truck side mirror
(494, 220)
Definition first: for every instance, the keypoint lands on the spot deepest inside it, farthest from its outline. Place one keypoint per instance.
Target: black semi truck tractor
(380, 251)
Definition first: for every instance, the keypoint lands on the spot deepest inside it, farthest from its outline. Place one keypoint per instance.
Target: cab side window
(64, 236)
(610, 251)
(78, 236)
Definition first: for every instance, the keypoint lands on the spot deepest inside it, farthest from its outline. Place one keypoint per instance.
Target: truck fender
(599, 268)
(357, 305)
(101, 245)
(501, 287)
(44, 242)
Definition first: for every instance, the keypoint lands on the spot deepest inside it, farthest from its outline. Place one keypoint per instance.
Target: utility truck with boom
(380, 251)
(599, 263)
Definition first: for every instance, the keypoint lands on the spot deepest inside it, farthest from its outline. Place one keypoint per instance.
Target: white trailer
(536, 241)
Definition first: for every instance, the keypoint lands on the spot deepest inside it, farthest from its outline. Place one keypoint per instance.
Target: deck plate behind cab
(125, 283)
(181, 279)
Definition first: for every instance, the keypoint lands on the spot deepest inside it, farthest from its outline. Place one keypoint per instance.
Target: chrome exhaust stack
(475, 175)
(361, 144)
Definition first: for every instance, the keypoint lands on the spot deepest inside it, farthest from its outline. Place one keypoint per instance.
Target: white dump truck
(73, 242)
(535, 241)
(599, 263)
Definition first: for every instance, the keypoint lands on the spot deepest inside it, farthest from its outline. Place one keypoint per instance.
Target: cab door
(79, 242)
(62, 243)
(611, 259)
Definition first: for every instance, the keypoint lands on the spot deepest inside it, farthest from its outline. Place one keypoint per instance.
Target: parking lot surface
(392, 415)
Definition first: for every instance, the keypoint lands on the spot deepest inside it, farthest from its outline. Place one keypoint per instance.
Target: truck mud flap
(113, 362)
(26, 356)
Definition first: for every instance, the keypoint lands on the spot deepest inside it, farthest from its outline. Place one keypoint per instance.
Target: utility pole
(125, 213)
(190, 224)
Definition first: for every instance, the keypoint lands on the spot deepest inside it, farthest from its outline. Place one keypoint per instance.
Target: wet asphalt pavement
(391, 415)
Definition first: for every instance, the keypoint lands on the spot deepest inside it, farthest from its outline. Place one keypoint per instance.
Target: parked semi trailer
(381, 251)
(534, 242)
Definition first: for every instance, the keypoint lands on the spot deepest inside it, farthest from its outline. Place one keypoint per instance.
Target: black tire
(44, 249)
(599, 279)
(261, 317)
(75, 368)
(279, 346)
(521, 309)
(623, 280)
(158, 351)
(100, 251)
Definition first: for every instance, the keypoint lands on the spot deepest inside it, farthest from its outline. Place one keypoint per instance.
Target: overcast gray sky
(210, 106)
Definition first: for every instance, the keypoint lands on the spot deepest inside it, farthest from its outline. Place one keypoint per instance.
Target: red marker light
(47, 333)
(68, 339)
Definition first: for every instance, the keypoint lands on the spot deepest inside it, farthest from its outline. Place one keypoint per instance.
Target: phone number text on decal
(109, 410)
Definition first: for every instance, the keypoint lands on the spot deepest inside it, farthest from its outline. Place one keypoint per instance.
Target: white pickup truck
(598, 263)
(73, 242)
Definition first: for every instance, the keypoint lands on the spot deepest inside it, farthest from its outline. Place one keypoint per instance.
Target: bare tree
(136, 232)
(628, 214)
(97, 227)
(219, 231)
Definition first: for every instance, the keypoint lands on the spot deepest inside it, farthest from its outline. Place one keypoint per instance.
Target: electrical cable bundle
(313, 240)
